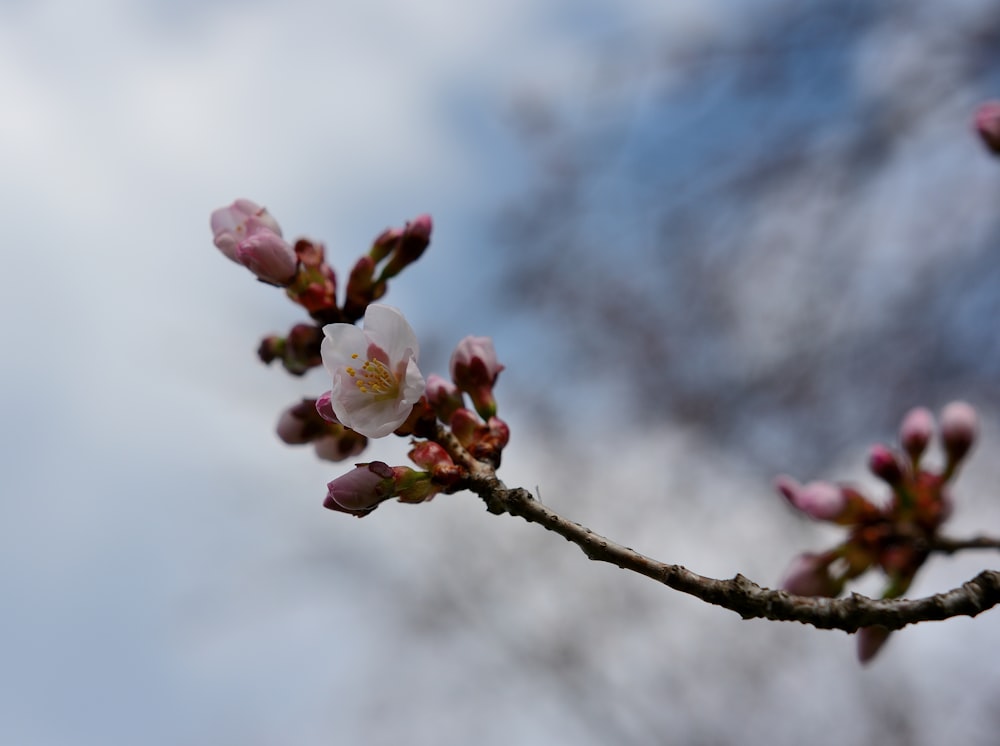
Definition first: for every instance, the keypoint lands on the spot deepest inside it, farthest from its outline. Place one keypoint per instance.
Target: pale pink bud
(409, 247)
(231, 225)
(268, 256)
(474, 363)
(870, 641)
(300, 424)
(915, 431)
(884, 465)
(474, 369)
(324, 406)
(959, 424)
(443, 396)
(420, 228)
(809, 575)
(292, 429)
(360, 490)
(987, 124)
(340, 446)
(385, 243)
(820, 500)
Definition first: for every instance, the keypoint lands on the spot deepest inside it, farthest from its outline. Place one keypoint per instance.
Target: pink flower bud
(474, 369)
(292, 429)
(870, 641)
(361, 490)
(268, 256)
(340, 445)
(271, 348)
(915, 431)
(429, 455)
(464, 425)
(324, 406)
(410, 246)
(884, 465)
(231, 225)
(809, 575)
(443, 396)
(820, 500)
(300, 424)
(361, 288)
(385, 243)
(959, 425)
(474, 363)
(987, 124)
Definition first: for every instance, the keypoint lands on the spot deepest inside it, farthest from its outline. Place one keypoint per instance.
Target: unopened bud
(463, 424)
(410, 246)
(271, 348)
(385, 243)
(429, 455)
(292, 429)
(885, 465)
(870, 641)
(232, 225)
(340, 445)
(360, 490)
(915, 432)
(268, 256)
(443, 396)
(362, 289)
(324, 407)
(474, 369)
(301, 424)
(823, 501)
(959, 424)
(809, 575)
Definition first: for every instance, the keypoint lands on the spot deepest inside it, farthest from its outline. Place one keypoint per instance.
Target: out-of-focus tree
(788, 230)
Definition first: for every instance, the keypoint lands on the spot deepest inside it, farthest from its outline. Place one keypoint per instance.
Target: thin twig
(740, 594)
(946, 545)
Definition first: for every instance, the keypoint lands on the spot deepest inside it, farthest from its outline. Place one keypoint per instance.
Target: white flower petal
(373, 396)
(386, 326)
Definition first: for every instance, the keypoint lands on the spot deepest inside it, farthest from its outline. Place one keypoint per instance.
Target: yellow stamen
(375, 379)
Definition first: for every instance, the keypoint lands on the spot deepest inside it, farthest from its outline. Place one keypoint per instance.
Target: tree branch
(740, 594)
(946, 545)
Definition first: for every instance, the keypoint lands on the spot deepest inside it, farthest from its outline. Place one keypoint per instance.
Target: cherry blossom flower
(376, 380)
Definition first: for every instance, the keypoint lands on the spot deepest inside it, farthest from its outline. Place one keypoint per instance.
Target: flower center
(374, 378)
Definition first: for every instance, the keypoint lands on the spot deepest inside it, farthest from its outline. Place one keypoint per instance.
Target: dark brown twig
(740, 594)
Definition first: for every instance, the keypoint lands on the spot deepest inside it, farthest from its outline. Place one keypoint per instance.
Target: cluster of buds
(377, 387)
(302, 423)
(249, 235)
(895, 537)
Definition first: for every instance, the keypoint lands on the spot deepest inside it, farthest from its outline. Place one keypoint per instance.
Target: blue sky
(168, 574)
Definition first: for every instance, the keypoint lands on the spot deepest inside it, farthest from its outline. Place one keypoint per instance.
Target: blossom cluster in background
(896, 537)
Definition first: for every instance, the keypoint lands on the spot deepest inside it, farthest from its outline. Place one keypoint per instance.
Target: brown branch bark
(946, 545)
(739, 594)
